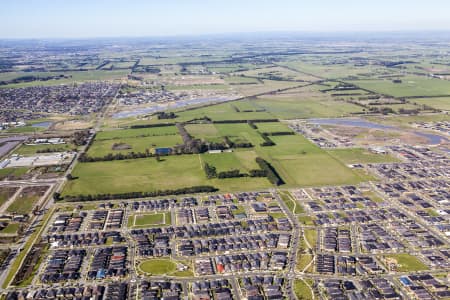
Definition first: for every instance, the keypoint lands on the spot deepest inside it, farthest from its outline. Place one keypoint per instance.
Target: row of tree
(275, 133)
(114, 156)
(271, 173)
(211, 172)
(267, 141)
(133, 195)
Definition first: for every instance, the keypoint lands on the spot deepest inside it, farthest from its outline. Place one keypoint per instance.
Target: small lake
(45, 124)
(350, 122)
(433, 139)
(165, 106)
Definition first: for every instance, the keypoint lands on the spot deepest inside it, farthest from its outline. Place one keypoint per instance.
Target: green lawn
(311, 237)
(306, 220)
(11, 228)
(146, 220)
(290, 202)
(359, 155)
(158, 266)
(302, 290)
(303, 260)
(149, 219)
(408, 263)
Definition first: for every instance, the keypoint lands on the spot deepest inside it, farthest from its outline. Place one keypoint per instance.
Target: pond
(45, 124)
(433, 139)
(350, 122)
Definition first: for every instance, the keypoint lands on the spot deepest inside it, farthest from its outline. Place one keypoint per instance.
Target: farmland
(410, 86)
(297, 161)
(358, 155)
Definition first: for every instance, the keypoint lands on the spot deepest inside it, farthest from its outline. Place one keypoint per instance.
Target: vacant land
(362, 156)
(26, 200)
(6, 193)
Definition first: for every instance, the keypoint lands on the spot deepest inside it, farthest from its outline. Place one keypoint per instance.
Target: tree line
(132, 195)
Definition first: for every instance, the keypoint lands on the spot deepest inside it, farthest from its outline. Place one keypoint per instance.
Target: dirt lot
(370, 137)
(72, 125)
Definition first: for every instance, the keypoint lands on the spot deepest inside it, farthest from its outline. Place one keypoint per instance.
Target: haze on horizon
(135, 18)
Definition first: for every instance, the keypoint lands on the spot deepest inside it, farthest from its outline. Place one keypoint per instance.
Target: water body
(351, 122)
(163, 107)
(45, 124)
(433, 139)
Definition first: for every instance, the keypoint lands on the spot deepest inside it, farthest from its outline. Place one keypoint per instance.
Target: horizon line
(223, 34)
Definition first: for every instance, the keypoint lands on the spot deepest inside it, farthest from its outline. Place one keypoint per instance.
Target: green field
(207, 132)
(158, 266)
(137, 144)
(410, 86)
(408, 263)
(438, 103)
(305, 107)
(12, 172)
(272, 127)
(298, 162)
(359, 155)
(302, 290)
(23, 204)
(293, 205)
(241, 160)
(149, 220)
(139, 132)
(11, 228)
(311, 237)
(147, 174)
(301, 163)
(33, 149)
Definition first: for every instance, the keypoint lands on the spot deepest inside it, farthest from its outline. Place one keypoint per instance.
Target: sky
(147, 18)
